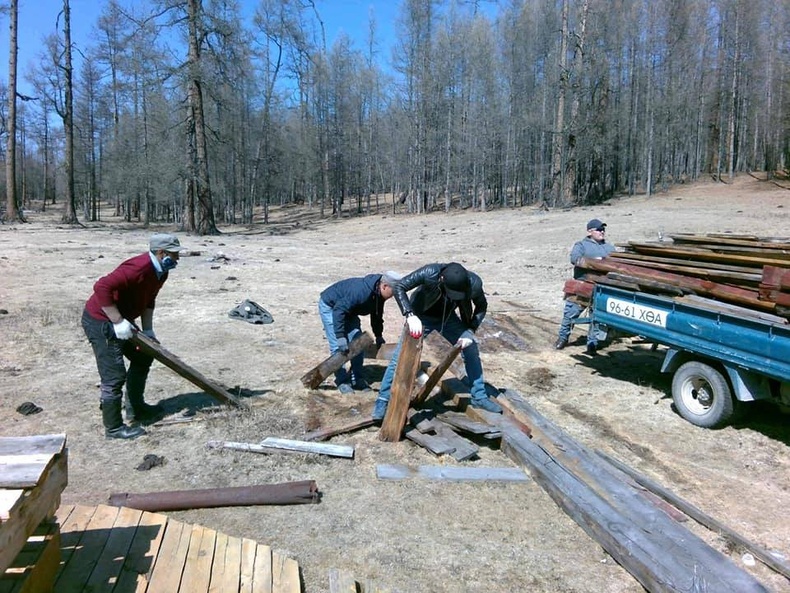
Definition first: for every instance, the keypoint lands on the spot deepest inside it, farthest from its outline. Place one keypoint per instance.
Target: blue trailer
(720, 357)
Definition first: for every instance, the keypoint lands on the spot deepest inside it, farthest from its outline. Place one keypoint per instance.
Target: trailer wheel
(702, 395)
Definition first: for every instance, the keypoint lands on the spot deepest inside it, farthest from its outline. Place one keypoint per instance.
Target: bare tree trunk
(70, 214)
(12, 211)
(578, 68)
(559, 122)
(205, 207)
(734, 95)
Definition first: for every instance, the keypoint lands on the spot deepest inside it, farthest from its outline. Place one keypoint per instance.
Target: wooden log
(662, 555)
(315, 376)
(275, 445)
(700, 517)
(171, 361)
(451, 474)
(402, 386)
(322, 434)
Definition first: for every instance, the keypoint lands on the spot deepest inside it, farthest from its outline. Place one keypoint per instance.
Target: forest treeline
(189, 112)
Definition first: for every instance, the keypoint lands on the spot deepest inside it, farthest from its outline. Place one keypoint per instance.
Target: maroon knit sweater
(132, 287)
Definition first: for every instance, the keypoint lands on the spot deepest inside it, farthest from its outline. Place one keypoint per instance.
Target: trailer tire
(702, 395)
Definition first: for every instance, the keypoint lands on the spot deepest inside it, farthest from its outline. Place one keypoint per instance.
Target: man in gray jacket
(593, 246)
(449, 299)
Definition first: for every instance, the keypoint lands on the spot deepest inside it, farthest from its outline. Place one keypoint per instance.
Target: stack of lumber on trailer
(729, 271)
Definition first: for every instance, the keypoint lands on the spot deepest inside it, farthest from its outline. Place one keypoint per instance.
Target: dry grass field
(414, 535)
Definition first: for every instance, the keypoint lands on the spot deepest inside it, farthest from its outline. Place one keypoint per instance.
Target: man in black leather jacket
(449, 299)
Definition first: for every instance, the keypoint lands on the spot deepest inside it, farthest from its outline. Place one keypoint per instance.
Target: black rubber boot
(136, 408)
(114, 428)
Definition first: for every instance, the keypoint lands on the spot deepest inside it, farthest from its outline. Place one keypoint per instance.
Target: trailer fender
(746, 385)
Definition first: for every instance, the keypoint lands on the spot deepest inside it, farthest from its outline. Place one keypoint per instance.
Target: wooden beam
(323, 434)
(422, 392)
(315, 376)
(402, 386)
(661, 554)
(700, 517)
(171, 361)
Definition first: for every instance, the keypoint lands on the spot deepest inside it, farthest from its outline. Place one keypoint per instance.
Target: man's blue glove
(342, 345)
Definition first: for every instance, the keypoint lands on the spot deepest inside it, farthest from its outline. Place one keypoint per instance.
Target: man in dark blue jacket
(340, 307)
(449, 299)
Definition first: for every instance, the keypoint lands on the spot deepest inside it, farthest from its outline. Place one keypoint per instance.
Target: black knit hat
(455, 280)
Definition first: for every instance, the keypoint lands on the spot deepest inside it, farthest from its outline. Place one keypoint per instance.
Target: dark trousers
(109, 352)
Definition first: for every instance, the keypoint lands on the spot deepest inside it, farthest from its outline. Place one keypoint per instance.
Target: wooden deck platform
(122, 550)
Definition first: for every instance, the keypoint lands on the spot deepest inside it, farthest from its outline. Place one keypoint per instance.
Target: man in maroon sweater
(120, 297)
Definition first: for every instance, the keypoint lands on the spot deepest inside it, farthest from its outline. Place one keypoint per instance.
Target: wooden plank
(77, 569)
(108, 567)
(315, 376)
(341, 582)
(167, 571)
(435, 347)
(171, 361)
(275, 445)
(45, 444)
(285, 575)
(776, 259)
(248, 549)
(719, 240)
(465, 423)
(452, 474)
(200, 557)
(305, 447)
(649, 260)
(435, 376)
(435, 444)
(263, 577)
(31, 509)
(23, 470)
(700, 517)
(729, 308)
(226, 572)
(35, 567)
(143, 551)
(322, 434)
(402, 387)
(464, 449)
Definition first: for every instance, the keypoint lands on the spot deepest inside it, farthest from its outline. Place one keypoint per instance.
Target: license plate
(637, 312)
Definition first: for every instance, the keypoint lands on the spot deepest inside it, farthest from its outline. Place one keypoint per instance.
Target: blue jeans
(451, 329)
(570, 314)
(352, 329)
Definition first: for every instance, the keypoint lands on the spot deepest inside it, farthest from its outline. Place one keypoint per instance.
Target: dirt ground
(414, 535)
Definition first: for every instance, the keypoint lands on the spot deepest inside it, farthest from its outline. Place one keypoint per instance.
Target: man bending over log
(341, 306)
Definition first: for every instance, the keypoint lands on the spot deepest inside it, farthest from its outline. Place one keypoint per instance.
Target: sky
(37, 19)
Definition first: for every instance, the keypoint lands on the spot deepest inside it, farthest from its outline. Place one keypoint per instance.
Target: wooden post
(402, 386)
(170, 360)
(314, 377)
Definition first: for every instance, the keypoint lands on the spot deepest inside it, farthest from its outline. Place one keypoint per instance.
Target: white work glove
(415, 326)
(150, 334)
(464, 343)
(123, 329)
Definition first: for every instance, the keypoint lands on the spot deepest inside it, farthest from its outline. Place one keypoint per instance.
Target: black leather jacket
(430, 298)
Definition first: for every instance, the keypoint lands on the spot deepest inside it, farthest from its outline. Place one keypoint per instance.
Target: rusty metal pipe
(304, 492)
